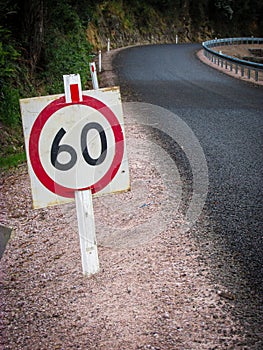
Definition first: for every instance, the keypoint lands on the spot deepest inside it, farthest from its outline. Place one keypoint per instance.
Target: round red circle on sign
(35, 158)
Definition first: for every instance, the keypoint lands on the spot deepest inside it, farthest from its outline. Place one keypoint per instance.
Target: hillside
(133, 22)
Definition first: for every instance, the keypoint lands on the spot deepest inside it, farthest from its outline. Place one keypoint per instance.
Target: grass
(13, 160)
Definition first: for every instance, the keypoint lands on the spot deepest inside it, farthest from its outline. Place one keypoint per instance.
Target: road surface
(226, 115)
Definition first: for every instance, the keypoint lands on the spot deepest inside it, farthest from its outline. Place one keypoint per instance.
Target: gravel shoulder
(153, 290)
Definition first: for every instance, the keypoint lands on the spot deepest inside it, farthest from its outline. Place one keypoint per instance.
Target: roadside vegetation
(42, 40)
(38, 45)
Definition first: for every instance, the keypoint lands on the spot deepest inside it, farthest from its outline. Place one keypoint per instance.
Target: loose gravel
(150, 294)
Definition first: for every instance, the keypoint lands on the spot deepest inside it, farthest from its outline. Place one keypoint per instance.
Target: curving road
(226, 116)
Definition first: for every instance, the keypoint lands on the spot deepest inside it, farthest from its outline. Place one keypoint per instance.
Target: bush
(66, 54)
(8, 56)
(9, 108)
(65, 50)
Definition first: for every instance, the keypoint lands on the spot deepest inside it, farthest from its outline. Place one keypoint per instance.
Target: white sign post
(83, 199)
(100, 61)
(87, 235)
(76, 149)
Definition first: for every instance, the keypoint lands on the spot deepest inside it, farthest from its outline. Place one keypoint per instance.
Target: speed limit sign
(75, 146)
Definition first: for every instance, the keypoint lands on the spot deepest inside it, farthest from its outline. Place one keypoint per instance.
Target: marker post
(93, 73)
(99, 61)
(83, 199)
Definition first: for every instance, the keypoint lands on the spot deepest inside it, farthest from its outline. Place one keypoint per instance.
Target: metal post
(256, 74)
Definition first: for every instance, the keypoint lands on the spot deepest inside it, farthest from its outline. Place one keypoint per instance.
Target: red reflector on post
(74, 92)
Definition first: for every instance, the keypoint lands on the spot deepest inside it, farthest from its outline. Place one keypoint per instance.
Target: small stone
(226, 294)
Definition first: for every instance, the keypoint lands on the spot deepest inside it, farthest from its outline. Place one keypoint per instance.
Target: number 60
(56, 148)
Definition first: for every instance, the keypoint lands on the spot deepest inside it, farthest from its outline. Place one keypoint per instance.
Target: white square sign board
(75, 146)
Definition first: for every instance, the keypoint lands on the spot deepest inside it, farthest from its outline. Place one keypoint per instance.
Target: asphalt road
(226, 115)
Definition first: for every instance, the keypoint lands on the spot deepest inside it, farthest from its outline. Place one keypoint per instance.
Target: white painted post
(87, 235)
(176, 39)
(72, 88)
(99, 60)
(83, 199)
(108, 45)
(93, 73)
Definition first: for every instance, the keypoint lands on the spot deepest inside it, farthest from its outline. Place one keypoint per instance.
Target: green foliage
(8, 56)
(62, 50)
(12, 160)
(66, 54)
(11, 146)
(66, 49)
(9, 108)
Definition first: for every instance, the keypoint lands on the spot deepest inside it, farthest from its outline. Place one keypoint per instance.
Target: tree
(32, 12)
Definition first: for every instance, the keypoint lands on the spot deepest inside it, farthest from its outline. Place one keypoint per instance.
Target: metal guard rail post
(214, 56)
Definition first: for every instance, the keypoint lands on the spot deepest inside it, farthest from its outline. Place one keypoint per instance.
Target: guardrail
(233, 63)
